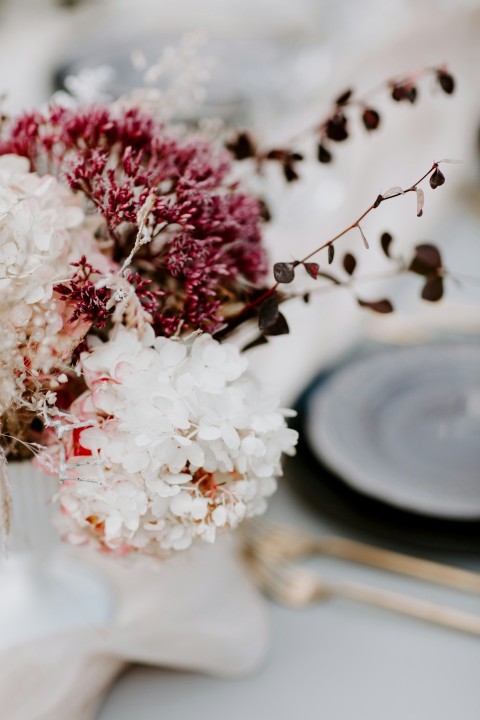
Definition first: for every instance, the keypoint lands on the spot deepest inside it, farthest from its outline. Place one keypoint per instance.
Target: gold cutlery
(296, 586)
(266, 539)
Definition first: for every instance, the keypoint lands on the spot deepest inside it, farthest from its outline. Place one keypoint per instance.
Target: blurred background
(274, 66)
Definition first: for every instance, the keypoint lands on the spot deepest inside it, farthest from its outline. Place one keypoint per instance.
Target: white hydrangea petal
(230, 436)
(113, 523)
(172, 354)
(92, 438)
(134, 462)
(162, 488)
(209, 432)
(191, 444)
(181, 504)
(35, 294)
(195, 455)
(178, 478)
(184, 384)
(182, 543)
(219, 516)
(199, 508)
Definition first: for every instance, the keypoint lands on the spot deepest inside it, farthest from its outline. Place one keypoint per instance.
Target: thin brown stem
(372, 207)
(359, 101)
(249, 310)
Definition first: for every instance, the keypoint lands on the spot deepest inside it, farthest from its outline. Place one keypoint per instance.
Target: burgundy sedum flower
(205, 251)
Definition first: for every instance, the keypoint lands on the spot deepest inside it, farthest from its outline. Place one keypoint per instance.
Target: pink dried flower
(87, 302)
(205, 248)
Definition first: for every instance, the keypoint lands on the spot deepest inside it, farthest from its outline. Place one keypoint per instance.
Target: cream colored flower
(172, 441)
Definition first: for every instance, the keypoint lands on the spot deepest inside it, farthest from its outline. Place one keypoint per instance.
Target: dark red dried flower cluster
(206, 248)
(89, 303)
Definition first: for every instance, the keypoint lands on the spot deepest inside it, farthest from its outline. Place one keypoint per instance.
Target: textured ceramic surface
(404, 427)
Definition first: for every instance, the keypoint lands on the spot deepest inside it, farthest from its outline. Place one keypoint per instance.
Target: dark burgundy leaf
(296, 156)
(323, 155)
(349, 263)
(312, 269)
(265, 213)
(289, 172)
(242, 146)
(397, 93)
(437, 178)
(378, 200)
(331, 254)
(279, 327)
(385, 241)
(62, 289)
(268, 313)
(404, 91)
(433, 289)
(427, 260)
(306, 298)
(430, 254)
(337, 128)
(371, 119)
(379, 306)
(284, 272)
(411, 94)
(259, 340)
(446, 81)
(344, 97)
(276, 154)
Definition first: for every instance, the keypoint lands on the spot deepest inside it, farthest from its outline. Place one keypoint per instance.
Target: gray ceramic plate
(404, 427)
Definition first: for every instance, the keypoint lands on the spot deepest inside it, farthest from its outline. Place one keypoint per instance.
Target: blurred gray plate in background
(404, 427)
(245, 73)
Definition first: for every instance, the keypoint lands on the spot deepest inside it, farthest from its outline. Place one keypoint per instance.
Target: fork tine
(274, 540)
(285, 583)
(267, 538)
(264, 577)
(294, 586)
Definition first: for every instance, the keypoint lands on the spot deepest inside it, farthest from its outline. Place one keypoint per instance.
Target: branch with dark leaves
(426, 262)
(334, 128)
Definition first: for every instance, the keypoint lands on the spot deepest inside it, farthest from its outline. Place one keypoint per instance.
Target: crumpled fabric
(197, 611)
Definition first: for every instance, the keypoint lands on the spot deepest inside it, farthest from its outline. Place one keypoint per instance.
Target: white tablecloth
(335, 661)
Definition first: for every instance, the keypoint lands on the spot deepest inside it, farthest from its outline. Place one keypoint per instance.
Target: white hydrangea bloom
(174, 440)
(42, 229)
(35, 243)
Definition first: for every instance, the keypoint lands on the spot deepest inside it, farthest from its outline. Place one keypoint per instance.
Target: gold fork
(295, 586)
(264, 538)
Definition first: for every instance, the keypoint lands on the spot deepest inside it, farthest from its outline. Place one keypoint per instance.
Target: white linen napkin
(196, 611)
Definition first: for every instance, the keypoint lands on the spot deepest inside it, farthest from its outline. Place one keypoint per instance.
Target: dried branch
(285, 272)
(5, 500)
(334, 127)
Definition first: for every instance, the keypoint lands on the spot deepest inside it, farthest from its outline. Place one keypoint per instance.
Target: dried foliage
(334, 128)
(171, 253)
(426, 261)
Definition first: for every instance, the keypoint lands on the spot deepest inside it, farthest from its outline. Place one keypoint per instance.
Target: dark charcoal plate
(393, 505)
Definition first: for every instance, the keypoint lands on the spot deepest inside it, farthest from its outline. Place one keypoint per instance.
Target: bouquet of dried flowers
(129, 256)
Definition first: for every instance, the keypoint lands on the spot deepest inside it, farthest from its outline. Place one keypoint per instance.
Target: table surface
(336, 660)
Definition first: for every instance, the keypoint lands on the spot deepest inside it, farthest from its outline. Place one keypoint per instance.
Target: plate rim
(461, 512)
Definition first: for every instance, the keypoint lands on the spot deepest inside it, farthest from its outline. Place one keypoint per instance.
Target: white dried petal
(172, 466)
(420, 201)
